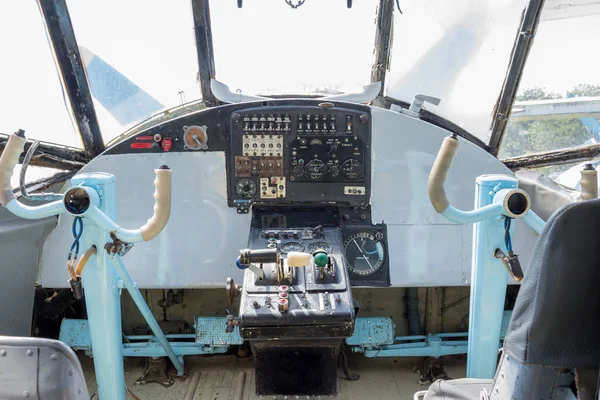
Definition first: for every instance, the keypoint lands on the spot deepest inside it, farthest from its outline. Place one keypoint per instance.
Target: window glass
(558, 102)
(457, 51)
(31, 96)
(140, 57)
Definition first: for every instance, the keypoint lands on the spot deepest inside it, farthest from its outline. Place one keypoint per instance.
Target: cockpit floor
(380, 378)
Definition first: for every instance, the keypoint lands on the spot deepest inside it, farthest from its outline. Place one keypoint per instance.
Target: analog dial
(245, 188)
(364, 253)
(291, 246)
(314, 246)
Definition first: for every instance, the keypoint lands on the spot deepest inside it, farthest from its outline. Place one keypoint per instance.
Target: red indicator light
(141, 145)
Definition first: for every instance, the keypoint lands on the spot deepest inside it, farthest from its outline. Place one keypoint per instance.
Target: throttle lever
(512, 264)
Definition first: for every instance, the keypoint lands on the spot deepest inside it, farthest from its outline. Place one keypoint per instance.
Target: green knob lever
(320, 258)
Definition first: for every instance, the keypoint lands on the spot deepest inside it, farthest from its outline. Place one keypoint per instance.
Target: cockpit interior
(246, 200)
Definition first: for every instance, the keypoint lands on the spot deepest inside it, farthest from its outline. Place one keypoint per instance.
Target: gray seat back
(36, 368)
(555, 320)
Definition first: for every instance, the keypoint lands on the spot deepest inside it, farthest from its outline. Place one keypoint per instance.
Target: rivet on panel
(29, 352)
(3, 353)
(71, 372)
(54, 357)
(26, 394)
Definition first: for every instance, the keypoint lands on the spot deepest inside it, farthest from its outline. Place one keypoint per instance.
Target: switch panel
(272, 188)
(262, 145)
(263, 167)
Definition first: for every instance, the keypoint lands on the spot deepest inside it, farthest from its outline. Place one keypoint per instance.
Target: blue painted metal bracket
(372, 332)
(210, 338)
(374, 337)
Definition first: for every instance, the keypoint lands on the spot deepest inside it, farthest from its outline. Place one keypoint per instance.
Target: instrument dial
(195, 137)
(364, 253)
(314, 246)
(245, 188)
(291, 246)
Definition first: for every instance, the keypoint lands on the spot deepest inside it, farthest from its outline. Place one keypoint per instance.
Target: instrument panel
(277, 151)
(300, 154)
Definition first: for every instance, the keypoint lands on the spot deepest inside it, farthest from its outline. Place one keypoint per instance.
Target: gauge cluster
(317, 153)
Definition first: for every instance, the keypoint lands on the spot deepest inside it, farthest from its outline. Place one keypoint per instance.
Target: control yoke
(83, 201)
(513, 203)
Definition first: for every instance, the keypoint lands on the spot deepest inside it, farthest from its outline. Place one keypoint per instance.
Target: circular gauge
(195, 137)
(291, 246)
(245, 188)
(364, 253)
(313, 246)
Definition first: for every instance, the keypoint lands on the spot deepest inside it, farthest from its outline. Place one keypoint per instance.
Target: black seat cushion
(556, 319)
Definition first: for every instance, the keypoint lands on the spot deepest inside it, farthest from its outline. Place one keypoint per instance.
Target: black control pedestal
(296, 367)
(296, 308)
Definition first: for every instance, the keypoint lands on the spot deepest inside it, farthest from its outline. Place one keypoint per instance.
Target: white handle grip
(8, 160)
(162, 204)
(437, 176)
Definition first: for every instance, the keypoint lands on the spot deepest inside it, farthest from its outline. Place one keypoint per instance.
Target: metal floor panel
(380, 379)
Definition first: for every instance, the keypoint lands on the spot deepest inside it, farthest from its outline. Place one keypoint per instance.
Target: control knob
(334, 170)
(298, 171)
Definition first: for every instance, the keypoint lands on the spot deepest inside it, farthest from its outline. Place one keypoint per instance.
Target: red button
(167, 143)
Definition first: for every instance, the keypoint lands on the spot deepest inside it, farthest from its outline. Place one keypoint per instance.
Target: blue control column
(489, 278)
(100, 282)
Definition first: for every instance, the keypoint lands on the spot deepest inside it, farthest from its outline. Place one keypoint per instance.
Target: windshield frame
(64, 44)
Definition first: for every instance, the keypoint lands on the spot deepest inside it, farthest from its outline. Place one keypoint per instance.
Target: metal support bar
(180, 349)
(576, 107)
(520, 51)
(72, 72)
(45, 183)
(555, 157)
(52, 155)
(383, 42)
(139, 301)
(421, 349)
(204, 48)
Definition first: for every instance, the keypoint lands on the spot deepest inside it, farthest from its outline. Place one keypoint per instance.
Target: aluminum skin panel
(203, 237)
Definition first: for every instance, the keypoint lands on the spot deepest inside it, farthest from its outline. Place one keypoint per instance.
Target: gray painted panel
(20, 252)
(199, 245)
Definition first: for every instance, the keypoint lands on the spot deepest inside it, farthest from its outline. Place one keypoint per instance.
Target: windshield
(267, 47)
(139, 60)
(31, 96)
(457, 51)
(558, 102)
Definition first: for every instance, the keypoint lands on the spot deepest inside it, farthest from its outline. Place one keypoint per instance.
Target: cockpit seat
(552, 340)
(36, 368)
